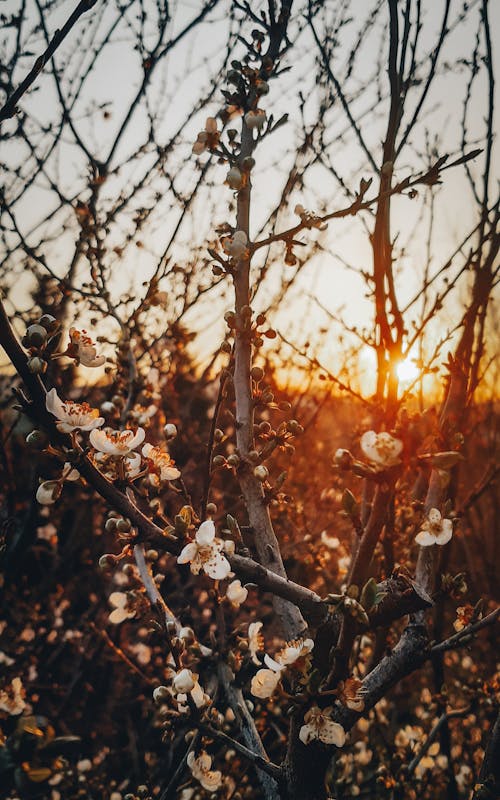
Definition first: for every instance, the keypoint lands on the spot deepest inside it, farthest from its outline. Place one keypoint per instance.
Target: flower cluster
(207, 139)
(265, 681)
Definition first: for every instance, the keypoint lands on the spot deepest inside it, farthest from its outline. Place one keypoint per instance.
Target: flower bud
(36, 439)
(107, 408)
(37, 365)
(257, 373)
(37, 335)
(261, 472)
(234, 178)
(49, 322)
(218, 461)
(183, 682)
(110, 526)
(48, 492)
(186, 634)
(344, 459)
(170, 430)
(107, 560)
(233, 460)
(229, 547)
(161, 694)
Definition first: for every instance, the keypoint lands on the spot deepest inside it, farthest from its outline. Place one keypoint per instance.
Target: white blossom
(434, 530)
(211, 780)
(319, 725)
(72, 416)
(184, 681)
(332, 542)
(141, 415)
(160, 465)
(122, 610)
(11, 698)
(264, 683)
(116, 443)
(381, 449)
(131, 465)
(289, 654)
(236, 593)
(83, 349)
(205, 553)
(255, 640)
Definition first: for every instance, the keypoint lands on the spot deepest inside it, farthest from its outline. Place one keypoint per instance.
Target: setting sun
(407, 371)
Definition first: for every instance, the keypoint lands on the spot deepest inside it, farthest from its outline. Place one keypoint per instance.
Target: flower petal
(206, 532)
(425, 539)
(188, 553)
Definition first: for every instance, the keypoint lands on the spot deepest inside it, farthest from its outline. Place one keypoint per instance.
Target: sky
(333, 275)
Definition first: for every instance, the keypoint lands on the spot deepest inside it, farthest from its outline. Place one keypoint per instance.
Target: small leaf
(369, 594)
(349, 503)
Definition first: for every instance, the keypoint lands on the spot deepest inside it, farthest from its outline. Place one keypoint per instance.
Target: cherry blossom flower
(264, 683)
(116, 443)
(160, 465)
(186, 682)
(289, 654)
(141, 415)
(382, 449)
(122, 609)
(82, 348)
(351, 694)
(332, 542)
(130, 464)
(211, 780)
(11, 698)
(255, 640)
(72, 416)
(319, 725)
(408, 736)
(236, 245)
(236, 593)
(434, 530)
(205, 553)
(465, 615)
(207, 139)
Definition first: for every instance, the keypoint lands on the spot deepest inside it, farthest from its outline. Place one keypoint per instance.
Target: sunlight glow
(407, 371)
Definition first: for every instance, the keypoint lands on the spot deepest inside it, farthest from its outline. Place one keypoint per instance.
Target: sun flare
(407, 371)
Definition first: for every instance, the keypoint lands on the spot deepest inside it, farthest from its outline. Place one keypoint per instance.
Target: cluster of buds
(309, 219)
(37, 339)
(208, 139)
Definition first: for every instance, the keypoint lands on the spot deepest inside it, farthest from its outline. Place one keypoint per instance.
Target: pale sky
(177, 85)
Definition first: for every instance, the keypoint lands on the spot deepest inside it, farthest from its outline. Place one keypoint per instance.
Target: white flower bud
(48, 492)
(184, 682)
(170, 430)
(160, 694)
(261, 472)
(234, 178)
